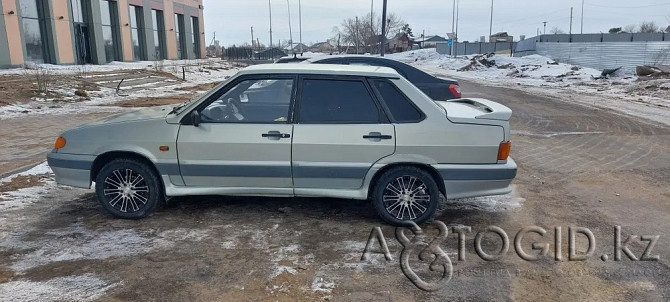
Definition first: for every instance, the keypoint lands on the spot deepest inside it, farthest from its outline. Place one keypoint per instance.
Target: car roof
(367, 57)
(321, 69)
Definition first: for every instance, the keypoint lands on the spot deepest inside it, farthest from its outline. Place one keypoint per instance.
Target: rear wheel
(128, 188)
(405, 194)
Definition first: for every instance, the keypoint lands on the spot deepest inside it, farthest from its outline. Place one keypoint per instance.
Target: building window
(159, 33)
(196, 36)
(109, 24)
(34, 30)
(136, 32)
(179, 30)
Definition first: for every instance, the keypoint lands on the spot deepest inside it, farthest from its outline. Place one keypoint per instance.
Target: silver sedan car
(354, 132)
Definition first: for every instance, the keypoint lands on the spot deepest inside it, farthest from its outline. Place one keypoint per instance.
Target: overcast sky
(232, 19)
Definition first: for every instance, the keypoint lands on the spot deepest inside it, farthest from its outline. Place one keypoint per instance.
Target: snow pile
(535, 70)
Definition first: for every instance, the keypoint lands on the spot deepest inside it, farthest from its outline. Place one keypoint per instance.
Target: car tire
(128, 188)
(405, 194)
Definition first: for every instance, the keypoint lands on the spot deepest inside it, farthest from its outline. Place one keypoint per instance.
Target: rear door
(340, 131)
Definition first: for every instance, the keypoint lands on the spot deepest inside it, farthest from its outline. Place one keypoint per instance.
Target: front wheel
(405, 194)
(128, 188)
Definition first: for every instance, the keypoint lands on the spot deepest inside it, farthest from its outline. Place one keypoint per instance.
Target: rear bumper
(461, 181)
(71, 169)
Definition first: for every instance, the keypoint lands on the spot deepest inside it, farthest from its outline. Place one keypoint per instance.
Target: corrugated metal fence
(600, 51)
(464, 49)
(607, 55)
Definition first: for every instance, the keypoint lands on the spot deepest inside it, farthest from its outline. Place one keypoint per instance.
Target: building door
(82, 43)
(79, 9)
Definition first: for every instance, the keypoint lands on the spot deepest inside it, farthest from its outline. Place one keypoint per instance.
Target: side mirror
(195, 117)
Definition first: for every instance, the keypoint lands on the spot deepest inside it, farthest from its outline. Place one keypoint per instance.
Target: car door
(339, 133)
(243, 139)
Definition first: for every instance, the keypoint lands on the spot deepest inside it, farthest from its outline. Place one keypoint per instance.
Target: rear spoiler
(493, 110)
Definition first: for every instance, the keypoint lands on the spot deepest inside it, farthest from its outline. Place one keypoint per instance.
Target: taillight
(504, 149)
(455, 90)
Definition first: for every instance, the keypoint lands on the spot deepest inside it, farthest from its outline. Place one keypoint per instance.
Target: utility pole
(252, 37)
(571, 20)
(453, 23)
(581, 30)
(457, 9)
(270, 7)
(300, 24)
(545, 28)
(491, 23)
(290, 31)
(372, 22)
(383, 46)
(356, 35)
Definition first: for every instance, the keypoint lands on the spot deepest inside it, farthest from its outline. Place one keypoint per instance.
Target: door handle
(275, 135)
(377, 136)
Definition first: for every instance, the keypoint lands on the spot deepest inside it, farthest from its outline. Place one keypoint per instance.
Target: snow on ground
(65, 101)
(87, 287)
(648, 98)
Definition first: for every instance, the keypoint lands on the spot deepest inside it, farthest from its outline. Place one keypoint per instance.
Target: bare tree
(556, 31)
(630, 28)
(365, 31)
(648, 27)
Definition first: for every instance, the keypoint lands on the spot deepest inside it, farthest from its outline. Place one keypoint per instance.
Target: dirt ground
(578, 167)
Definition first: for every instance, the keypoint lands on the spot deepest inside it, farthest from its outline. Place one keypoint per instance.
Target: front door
(243, 140)
(340, 132)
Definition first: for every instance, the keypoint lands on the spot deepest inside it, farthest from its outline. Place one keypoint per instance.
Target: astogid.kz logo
(418, 246)
(428, 251)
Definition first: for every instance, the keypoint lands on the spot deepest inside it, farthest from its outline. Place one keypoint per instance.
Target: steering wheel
(234, 110)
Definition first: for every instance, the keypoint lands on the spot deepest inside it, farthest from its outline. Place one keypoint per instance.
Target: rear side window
(402, 110)
(336, 101)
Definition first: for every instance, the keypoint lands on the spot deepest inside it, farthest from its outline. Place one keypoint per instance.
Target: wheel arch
(104, 158)
(425, 167)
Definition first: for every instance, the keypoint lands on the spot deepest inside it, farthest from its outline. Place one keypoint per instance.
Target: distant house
(401, 42)
(323, 47)
(501, 37)
(296, 48)
(430, 41)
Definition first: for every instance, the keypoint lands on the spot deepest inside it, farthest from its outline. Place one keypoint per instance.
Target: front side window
(252, 101)
(400, 107)
(337, 101)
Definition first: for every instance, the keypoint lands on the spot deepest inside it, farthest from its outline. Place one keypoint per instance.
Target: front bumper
(461, 181)
(71, 169)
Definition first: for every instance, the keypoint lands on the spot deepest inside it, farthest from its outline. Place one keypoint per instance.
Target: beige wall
(126, 39)
(171, 39)
(13, 33)
(201, 20)
(63, 32)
